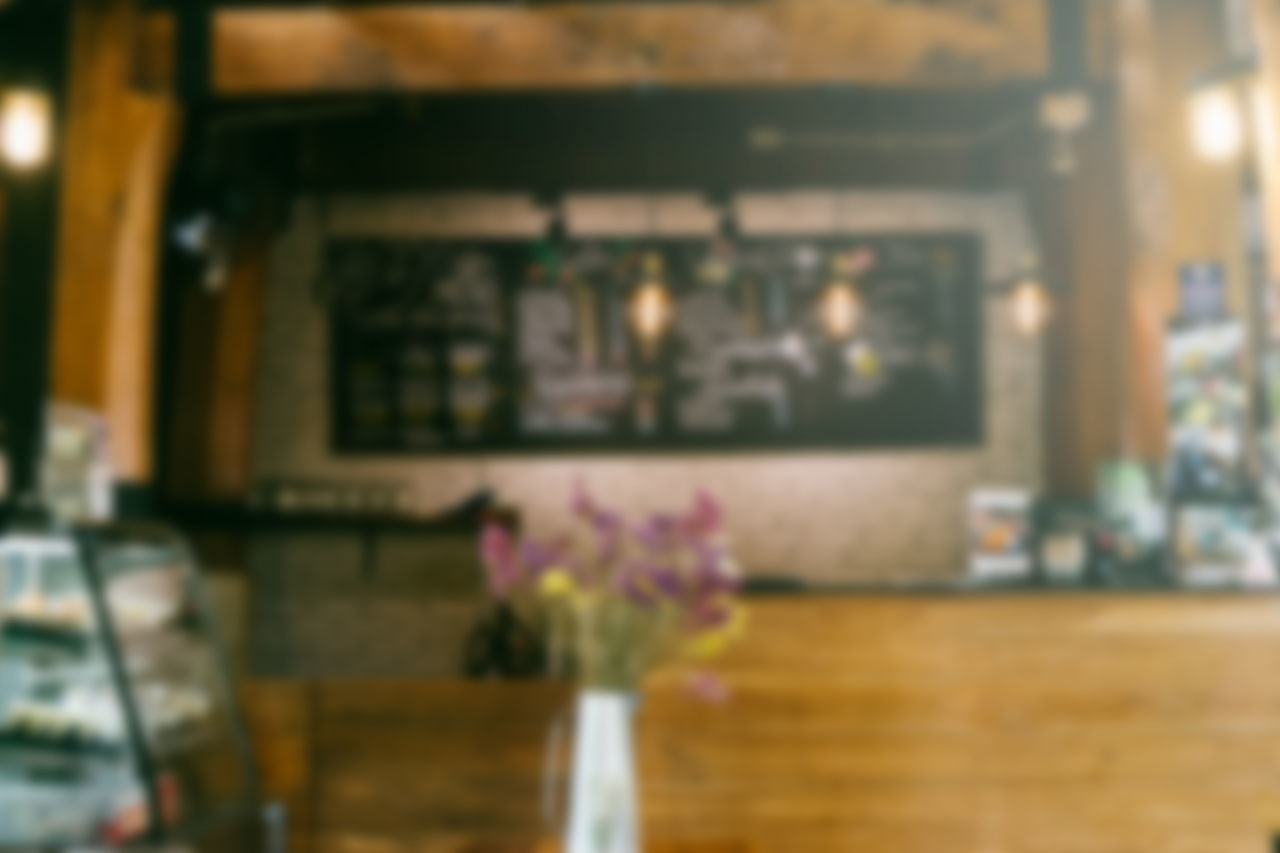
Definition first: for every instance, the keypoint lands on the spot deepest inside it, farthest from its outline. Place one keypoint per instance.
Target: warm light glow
(1217, 125)
(25, 129)
(840, 310)
(1031, 307)
(651, 311)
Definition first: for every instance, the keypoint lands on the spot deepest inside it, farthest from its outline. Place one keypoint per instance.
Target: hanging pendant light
(651, 309)
(840, 308)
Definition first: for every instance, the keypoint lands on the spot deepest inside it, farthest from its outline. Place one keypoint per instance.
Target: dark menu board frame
(531, 347)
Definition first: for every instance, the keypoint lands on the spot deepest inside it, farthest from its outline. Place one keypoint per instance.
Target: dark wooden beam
(491, 46)
(708, 138)
(34, 49)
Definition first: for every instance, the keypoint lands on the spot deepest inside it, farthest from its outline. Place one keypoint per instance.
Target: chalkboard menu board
(659, 344)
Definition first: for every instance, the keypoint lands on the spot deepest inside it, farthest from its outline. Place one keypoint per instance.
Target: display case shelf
(44, 637)
(31, 750)
(149, 673)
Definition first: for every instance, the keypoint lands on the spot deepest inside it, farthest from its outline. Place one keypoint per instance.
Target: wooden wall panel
(279, 717)
(235, 373)
(1022, 724)
(211, 414)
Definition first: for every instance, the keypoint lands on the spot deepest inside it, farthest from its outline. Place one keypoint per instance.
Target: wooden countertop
(865, 723)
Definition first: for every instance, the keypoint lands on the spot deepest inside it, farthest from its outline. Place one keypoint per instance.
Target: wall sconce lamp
(1031, 307)
(1218, 115)
(1064, 115)
(26, 129)
(1217, 123)
(1030, 302)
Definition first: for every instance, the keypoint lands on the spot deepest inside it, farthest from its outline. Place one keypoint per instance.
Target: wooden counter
(868, 724)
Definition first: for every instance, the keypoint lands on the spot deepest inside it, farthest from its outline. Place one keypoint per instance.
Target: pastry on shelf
(146, 600)
(63, 621)
(37, 725)
(172, 711)
(67, 612)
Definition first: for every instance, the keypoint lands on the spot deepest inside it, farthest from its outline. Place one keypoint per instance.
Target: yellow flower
(557, 583)
(713, 643)
(583, 601)
(708, 645)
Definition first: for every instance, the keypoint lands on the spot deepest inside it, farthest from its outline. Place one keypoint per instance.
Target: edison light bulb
(1031, 307)
(1217, 125)
(840, 310)
(651, 311)
(25, 128)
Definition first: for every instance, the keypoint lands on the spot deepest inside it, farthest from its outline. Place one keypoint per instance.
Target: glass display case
(118, 723)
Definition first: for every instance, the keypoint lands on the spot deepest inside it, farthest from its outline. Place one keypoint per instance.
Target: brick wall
(825, 517)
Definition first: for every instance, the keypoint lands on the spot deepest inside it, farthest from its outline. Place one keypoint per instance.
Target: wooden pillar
(120, 145)
(1078, 218)
(1180, 208)
(1266, 108)
(1080, 227)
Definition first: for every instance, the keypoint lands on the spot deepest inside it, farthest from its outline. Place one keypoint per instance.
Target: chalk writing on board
(771, 343)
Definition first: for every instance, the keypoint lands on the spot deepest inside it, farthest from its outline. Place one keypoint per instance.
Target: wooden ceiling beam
(579, 45)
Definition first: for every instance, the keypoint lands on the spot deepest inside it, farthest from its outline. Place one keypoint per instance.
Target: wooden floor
(1097, 724)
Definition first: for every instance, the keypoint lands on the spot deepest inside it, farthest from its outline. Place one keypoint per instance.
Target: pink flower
(708, 614)
(583, 503)
(704, 518)
(498, 551)
(709, 688)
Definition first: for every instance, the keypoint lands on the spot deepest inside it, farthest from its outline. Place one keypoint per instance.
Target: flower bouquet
(617, 598)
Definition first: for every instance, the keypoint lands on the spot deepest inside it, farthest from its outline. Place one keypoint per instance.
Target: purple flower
(713, 572)
(608, 529)
(607, 526)
(638, 587)
(660, 533)
(648, 583)
(669, 581)
(537, 557)
(498, 551)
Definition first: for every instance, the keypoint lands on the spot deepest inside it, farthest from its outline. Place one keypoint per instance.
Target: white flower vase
(603, 813)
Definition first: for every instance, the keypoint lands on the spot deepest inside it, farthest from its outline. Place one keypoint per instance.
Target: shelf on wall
(239, 518)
